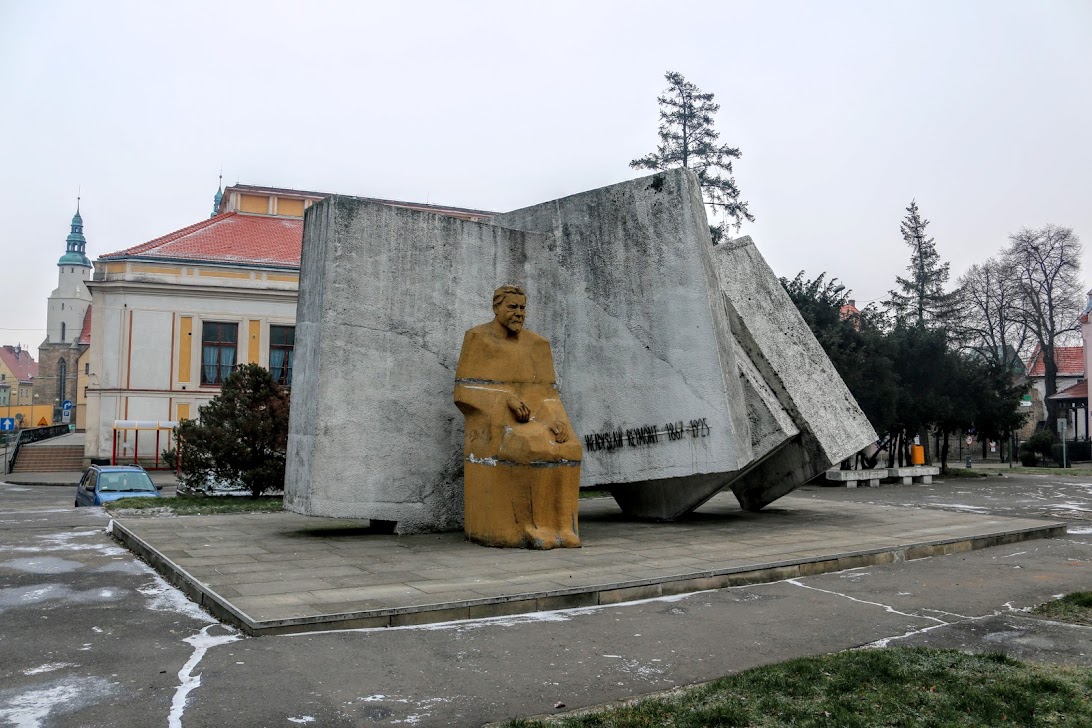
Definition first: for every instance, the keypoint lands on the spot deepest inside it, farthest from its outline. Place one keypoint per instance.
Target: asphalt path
(91, 636)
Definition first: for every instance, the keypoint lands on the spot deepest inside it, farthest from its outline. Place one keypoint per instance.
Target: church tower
(68, 306)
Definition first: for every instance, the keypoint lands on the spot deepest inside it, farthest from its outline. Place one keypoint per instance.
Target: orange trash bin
(917, 455)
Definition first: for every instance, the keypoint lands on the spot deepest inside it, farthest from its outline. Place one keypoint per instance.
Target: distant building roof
(1078, 391)
(242, 238)
(85, 330)
(1069, 360)
(231, 237)
(849, 309)
(20, 362)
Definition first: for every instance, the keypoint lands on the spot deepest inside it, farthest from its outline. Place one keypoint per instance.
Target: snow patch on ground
(188, 682)
(48, 667)
(31, 707)
(162, 597)
(303, 719)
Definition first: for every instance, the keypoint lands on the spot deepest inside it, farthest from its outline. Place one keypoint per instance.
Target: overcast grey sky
(844, 112)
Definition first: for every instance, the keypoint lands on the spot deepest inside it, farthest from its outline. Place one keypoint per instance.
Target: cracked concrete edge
(572, 597)
(181, 579)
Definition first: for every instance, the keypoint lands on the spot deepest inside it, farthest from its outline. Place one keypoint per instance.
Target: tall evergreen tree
(688, 139)
(921, 299)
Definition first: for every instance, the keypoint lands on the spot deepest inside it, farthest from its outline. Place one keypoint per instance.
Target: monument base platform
(282, 573)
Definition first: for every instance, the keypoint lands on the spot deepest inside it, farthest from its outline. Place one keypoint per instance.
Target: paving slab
(396, 580)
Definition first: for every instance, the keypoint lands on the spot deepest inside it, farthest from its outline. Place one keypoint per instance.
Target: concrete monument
(521, 480)
(686, 367)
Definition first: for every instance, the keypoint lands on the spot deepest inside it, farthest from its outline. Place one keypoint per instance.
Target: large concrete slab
(277, 573)
(684, 369)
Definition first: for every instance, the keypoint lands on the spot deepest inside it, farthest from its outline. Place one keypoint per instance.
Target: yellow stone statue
(522, 468)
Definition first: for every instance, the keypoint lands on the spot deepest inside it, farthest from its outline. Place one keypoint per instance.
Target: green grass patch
(202, 505)
(867, 688)
(1075, 608)
(594, 493)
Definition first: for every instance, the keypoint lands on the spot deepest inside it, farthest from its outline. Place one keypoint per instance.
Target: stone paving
(275, 573)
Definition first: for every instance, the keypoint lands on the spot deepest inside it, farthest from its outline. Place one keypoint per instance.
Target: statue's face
(510, 312)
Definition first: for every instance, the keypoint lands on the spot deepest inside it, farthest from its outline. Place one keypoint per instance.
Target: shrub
(1040, 443)
(1027, 458)
(240, 438)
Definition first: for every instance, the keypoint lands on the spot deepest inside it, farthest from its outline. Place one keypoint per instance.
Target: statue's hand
(561, 433)
(521, 411)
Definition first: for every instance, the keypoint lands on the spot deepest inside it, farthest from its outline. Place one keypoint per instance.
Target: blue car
(104, 483)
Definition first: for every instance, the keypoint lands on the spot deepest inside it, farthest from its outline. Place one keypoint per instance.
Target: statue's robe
(521, 486)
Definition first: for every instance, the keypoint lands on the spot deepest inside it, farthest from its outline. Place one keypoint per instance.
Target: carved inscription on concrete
(646, 435)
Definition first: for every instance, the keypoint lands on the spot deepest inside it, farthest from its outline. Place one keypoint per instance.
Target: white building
(171, 318)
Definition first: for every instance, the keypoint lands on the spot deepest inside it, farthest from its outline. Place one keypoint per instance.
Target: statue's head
(510, 306)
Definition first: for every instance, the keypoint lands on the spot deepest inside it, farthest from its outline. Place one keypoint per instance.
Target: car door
(85, 492)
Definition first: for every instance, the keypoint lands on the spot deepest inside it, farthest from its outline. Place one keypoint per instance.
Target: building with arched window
(60, 355)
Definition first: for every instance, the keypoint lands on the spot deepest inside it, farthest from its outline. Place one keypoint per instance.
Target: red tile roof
(20, 362)
(85, 332)
(1069, 359)
(1077, 391)
(228, 238)
(257, 240)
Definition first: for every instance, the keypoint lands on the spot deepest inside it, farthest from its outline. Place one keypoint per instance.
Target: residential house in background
(1070, 361)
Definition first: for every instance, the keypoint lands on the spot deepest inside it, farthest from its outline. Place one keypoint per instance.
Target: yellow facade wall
(183, 411)
(255, 204)
(185, 348)
(161, 269)
(290, 208)
(32, 413)
(235, 275)
(255, 342)
(282, 278)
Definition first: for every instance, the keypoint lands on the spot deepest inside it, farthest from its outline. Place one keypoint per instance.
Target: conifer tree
(921, 300)
(688, 139)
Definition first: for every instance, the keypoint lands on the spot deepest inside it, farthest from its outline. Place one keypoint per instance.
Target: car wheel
(77, 505)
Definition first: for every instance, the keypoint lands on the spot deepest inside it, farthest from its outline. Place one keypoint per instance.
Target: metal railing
(34, 434)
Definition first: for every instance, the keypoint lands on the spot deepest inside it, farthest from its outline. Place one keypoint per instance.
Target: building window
(282, 340)
(62, 374)
(62, 330)
(219, 344)
(87, 367)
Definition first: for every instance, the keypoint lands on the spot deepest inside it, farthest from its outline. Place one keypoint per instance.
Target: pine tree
(921, 300)
(688, 139)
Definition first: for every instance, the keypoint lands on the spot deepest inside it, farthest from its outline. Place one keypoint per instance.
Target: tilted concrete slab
(681, 366)
(772, 334)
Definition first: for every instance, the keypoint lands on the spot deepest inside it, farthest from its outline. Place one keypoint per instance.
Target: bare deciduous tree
(992, 322)
(1047, 262)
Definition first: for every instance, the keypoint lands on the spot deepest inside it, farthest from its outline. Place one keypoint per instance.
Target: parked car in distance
(105, 483)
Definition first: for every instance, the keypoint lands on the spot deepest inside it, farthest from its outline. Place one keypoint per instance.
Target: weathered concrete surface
(385, 296)
(770, 332)
(684, 369)
(648, 338)
(468, 673)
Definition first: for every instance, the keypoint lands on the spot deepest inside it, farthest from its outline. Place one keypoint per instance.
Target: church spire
(218, 197)
(75, 243)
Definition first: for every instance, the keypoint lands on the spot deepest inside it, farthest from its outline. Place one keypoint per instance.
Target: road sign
(43, 422)
(7, 424)
(970, 440)
(66, 405)
(66, 416)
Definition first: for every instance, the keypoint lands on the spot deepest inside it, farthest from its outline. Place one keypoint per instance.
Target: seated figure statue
(522, 463)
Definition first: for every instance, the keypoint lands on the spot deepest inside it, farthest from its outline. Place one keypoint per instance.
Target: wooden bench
(852, 477)
(918, 474)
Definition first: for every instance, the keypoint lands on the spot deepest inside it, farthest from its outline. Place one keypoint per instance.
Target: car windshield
(131, 482)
